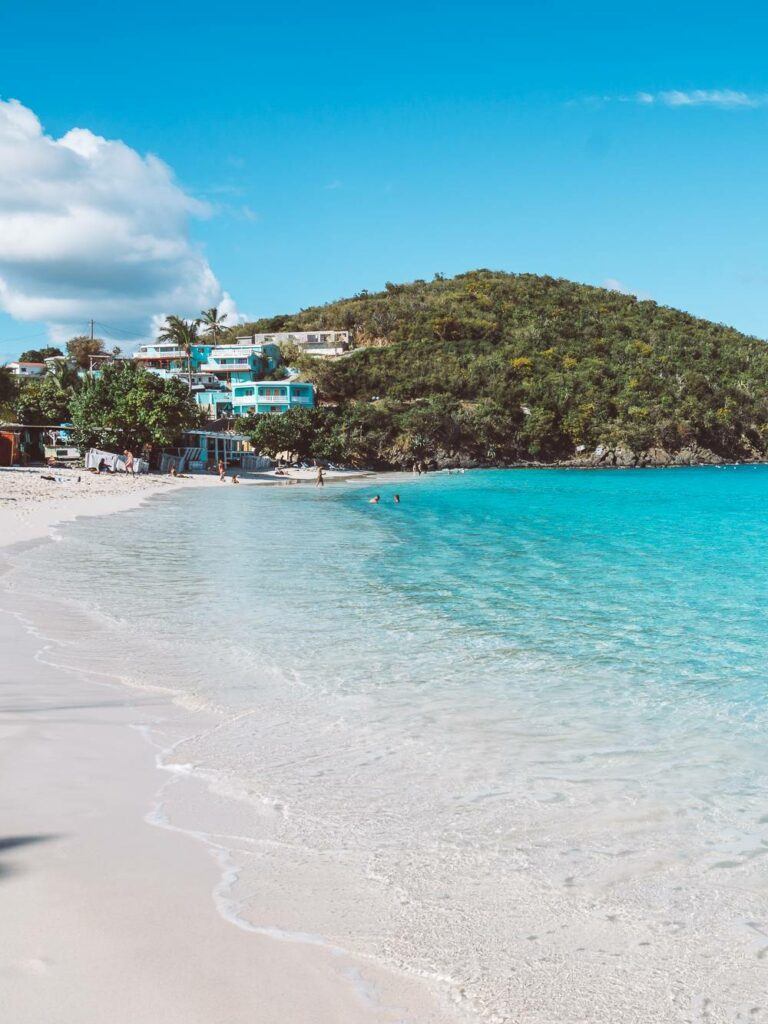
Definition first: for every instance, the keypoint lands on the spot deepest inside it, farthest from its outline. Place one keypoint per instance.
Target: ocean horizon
(507, 735)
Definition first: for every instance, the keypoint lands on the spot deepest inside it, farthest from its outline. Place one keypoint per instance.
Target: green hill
(488, 367)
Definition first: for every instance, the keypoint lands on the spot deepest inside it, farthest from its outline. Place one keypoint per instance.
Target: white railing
(221, 368)
(175, 353)
(266, 399)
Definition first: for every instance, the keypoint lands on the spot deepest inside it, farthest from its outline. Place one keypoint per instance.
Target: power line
(120, 332)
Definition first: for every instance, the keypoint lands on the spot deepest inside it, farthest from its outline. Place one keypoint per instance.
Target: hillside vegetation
(489, 367)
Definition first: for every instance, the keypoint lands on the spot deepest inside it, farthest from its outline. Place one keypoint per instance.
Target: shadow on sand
(14, 842)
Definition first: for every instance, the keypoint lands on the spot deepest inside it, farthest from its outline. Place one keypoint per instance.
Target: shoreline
(29, 513)
(31, 507)
(110, 908)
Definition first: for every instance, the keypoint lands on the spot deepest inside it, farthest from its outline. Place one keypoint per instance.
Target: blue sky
(337, 148)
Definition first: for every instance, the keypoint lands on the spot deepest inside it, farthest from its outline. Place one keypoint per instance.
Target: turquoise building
(215, 402)
(228, 362)
(268, 396)
(233, 363)
(225, 378)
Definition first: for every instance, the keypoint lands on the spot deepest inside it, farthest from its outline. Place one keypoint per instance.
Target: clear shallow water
(510, 734)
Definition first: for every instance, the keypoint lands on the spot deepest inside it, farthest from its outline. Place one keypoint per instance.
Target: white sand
(30, 505)
(106, 917)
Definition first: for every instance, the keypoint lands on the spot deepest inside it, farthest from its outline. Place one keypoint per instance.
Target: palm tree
(213, 322)
(183, 333)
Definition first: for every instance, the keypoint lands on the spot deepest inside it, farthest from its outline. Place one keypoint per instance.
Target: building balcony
(165, 355)
(229, 368)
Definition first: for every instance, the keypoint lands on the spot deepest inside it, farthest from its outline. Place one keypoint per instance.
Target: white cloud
(228, 306)
(726, 99)
(89, 228)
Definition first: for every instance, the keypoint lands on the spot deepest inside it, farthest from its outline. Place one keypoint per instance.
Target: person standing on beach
(320, 482)
(222, 470)
(129, 462)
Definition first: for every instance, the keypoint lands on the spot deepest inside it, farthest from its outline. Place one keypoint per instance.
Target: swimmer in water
(374, 500)
(396, 499)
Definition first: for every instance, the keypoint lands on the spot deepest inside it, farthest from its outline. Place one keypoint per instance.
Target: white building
(25, 369)
(315, 343)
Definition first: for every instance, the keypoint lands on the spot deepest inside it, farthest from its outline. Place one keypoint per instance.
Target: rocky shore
(604, 457)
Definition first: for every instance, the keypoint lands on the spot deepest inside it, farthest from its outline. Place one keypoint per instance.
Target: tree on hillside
(127, 407)
(212, 323)
(184, 334)
(81, 348)
(38, 355)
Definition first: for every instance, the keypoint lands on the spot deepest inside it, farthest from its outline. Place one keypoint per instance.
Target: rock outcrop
(623, 458)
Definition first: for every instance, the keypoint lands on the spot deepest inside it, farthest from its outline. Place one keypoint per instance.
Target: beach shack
(202, 449)
(9, 446)
(21, 443)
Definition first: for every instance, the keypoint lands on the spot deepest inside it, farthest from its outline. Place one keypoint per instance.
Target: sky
(167, 157)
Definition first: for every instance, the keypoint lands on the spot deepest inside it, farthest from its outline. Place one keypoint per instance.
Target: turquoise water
(518, 720)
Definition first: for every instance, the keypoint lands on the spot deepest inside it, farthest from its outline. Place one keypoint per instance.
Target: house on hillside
(242, 361)
(25, 369)
(245, 362)
(269, 396)
(316, 343)
(164, 355)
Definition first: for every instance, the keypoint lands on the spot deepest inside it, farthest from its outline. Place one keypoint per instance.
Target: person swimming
(374, 500)
(396, 499)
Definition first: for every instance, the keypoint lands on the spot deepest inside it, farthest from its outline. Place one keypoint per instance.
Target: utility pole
(91, 322)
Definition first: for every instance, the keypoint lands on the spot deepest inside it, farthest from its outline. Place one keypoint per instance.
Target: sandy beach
(107, 916)
(30, 504)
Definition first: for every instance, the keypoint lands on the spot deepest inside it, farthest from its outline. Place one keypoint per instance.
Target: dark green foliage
(127, 407)
(37, 355)
(8, 391)
(495, 367)
(48, 400)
